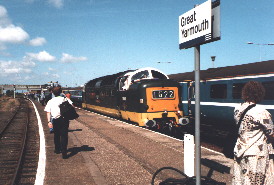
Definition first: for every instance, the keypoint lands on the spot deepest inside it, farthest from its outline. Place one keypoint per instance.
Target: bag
(229, 143)
(270, 138)
(231, 138)
(68, 111)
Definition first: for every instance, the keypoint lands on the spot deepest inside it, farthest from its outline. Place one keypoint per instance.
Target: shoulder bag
(67, 111)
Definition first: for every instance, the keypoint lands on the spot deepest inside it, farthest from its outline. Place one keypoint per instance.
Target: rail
(12, 144)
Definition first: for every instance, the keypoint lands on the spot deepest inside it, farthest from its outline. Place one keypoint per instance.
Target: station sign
(200, 25)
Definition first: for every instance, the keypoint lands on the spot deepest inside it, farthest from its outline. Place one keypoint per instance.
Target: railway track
(16, 146)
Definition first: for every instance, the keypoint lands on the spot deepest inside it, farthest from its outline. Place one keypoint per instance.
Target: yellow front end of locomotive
(162, 103)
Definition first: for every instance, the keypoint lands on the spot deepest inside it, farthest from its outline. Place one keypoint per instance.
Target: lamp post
(260, 45)
(14, 89)
(213, 59)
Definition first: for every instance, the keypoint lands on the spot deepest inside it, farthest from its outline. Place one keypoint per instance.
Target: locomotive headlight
(164, 115)
(150, 123)
(183, 121)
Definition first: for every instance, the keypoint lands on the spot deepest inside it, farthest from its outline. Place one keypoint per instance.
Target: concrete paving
(107, 151)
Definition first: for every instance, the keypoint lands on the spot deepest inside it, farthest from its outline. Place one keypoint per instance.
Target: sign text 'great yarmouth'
(196, 28)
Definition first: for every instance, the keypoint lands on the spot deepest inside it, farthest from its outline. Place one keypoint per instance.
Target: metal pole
(14, 89)
(197, 115)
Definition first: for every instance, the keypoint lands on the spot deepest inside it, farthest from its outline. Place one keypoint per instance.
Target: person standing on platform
(42, 98)
(253, 152)
(47, 98)
(60, 125)
(68, 95)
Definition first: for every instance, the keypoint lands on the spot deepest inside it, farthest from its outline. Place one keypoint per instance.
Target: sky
(74, 41)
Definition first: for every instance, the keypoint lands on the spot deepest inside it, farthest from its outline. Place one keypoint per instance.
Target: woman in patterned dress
(253, 152)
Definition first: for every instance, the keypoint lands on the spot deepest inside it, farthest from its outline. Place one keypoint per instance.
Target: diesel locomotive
(220, 90)
(146, 97)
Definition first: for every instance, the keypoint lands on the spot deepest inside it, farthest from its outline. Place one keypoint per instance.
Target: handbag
(67, 111)
(231, 138)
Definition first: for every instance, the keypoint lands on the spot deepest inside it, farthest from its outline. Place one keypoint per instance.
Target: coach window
(158, 75)
(237, 90)
(269, 89)
(218, 91)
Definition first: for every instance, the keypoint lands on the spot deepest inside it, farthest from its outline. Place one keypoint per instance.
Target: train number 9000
(163, 94)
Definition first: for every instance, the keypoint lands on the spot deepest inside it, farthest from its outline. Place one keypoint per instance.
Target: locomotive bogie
(150, 119)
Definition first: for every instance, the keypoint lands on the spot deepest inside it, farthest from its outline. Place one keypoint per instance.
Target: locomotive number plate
(163, 94)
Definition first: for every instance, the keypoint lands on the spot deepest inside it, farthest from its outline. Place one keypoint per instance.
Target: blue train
(220, 90)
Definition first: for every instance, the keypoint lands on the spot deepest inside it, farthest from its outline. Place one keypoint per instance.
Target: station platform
(105, 151)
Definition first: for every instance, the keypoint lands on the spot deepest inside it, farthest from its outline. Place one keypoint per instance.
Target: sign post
(199, 26)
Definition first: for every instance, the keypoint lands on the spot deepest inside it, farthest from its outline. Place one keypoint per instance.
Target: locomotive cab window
(269, 89)
(140, 75)
(98, 84)
(122, 82)
(158, 75)
(218, 91)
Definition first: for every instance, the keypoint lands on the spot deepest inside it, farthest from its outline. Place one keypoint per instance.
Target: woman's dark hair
(57, 90)
(253, 91)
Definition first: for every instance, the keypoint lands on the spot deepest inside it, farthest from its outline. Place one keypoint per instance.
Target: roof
(257, 68)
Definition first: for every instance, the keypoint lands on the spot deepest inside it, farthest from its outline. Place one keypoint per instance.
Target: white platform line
(41, 170)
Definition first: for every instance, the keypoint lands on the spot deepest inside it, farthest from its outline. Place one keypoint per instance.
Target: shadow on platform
(75, 150)
(75, 130)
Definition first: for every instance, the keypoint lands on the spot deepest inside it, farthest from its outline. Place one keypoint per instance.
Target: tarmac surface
(105, 151)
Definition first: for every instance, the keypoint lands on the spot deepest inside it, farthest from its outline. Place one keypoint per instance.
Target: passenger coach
(145, 96)
(220, 90)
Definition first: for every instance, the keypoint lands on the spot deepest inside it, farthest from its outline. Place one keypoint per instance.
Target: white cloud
(51, 69)
(55, 76)
(39, 41)
(56, 3)
(3, 11)
(27, 62)
(13, 67)
(66, 58)
(42, 56)
(9, 33)
(51, 75)
(13, 34)
(4, 19)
